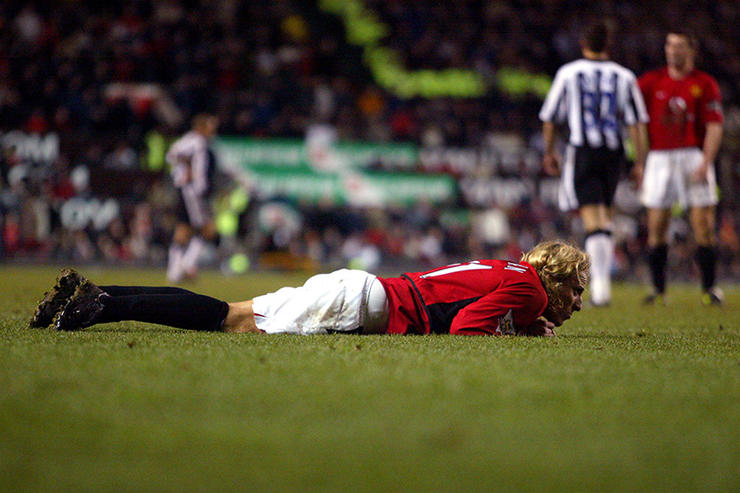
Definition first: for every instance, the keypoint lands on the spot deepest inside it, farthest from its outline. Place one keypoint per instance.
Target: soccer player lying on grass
(482, 297)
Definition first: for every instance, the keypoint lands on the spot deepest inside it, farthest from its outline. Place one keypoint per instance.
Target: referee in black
(595, 98)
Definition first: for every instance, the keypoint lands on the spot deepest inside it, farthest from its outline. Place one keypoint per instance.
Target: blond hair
(556, 262)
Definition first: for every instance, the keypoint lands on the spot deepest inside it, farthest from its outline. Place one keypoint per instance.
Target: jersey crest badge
(506, 324)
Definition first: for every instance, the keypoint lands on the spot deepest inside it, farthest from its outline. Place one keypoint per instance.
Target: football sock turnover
(175, 307)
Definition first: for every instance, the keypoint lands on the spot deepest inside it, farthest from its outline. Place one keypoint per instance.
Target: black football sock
(706, 258)
(183, 310)
(657, 260)
(132, 290)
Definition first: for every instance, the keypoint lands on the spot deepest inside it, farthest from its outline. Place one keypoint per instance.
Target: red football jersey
(680, 109)
(473, 298)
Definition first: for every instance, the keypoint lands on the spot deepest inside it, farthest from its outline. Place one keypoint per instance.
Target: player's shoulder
(508, 265)
(618, 67)
(572, 67)
(704, 77)
(703, 85)
(518, 279)
(624, 75)
(191, 138)
(521, 279)
(519, 272)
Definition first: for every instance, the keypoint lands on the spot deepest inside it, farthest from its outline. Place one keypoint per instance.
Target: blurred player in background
(483, 297)
(685, 133)
(596, 97)
(193, 165)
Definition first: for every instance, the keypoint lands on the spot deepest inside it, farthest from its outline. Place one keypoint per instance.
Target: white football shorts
(194, 207)
(667, 180)
(342, 301)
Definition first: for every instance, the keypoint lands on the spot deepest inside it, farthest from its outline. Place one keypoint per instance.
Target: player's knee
(704, 237)
(240, 318)
(182, 234)
(657, 237)
(208, 231)
(702, 223)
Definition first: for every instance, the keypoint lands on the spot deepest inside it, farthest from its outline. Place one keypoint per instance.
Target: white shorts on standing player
(668, 179)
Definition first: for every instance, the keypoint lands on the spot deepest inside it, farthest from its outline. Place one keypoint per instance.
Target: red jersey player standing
(685, 132)
(483, 297)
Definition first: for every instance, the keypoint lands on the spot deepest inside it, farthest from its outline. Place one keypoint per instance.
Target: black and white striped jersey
(596, 98)
(192, 162)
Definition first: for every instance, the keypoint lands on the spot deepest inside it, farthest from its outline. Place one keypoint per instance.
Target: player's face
(208, 127)
(569, 300)
(211, 126)
(678, 51)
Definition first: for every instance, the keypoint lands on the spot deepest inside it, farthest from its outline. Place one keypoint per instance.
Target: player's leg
(240, 318)
(191, 256)
(326, 303)
(199, 216)
(600, 247)
(182, 309)
(195, 247)
(134, 290)
(567, 196)
(703, 221)
(660, 189)
(67, 283)
(240, 315)
(342, 301)
(181, 237)
(657, 242)
(596, 176)
(702, 198)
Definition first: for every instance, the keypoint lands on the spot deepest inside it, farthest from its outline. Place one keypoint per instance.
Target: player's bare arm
(712, 141)
(639, 136)
(551, 158)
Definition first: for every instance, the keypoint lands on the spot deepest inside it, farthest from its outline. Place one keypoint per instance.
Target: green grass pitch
(627, 398)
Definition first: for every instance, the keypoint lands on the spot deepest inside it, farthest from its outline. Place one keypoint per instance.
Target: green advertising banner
(293, 153)
(359, 188)
(363, 154)
(282, 168)
(235, 152)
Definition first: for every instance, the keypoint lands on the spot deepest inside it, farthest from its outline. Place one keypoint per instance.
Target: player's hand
(551, 163)
(700, 174)
(538, 328)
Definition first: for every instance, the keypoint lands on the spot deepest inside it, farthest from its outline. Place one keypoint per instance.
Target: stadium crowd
(92, 94)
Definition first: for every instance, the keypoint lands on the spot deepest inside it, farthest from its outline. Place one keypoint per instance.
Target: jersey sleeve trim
(420, 297)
